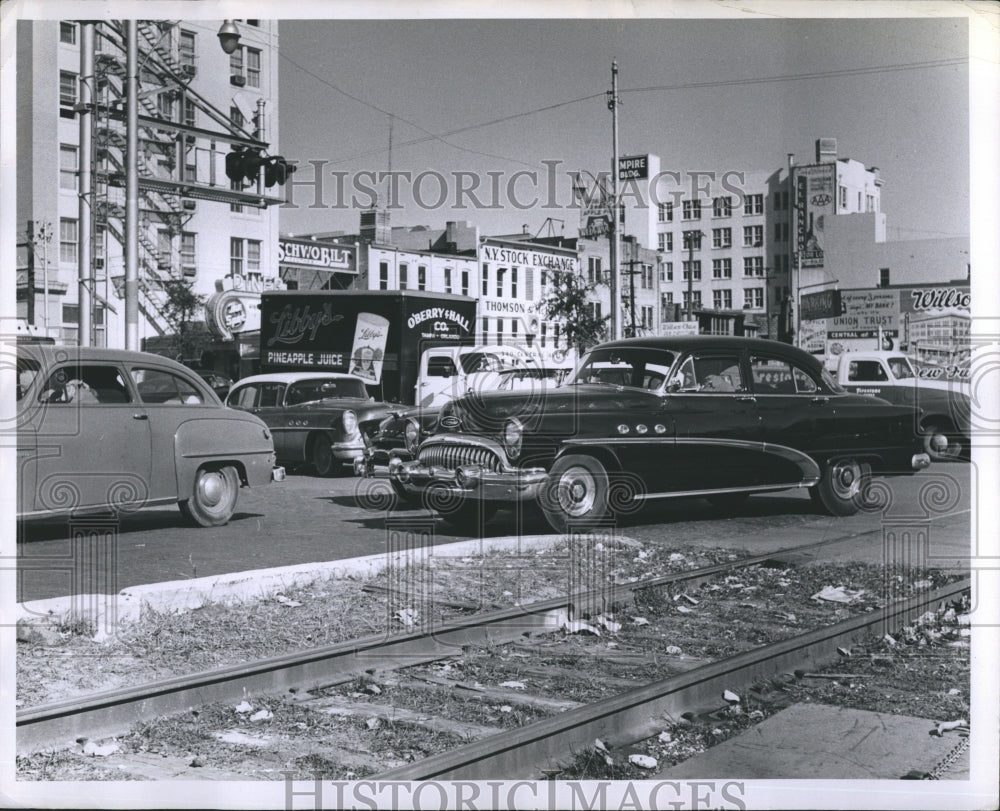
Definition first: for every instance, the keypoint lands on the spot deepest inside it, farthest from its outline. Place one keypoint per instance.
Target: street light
(229, 36)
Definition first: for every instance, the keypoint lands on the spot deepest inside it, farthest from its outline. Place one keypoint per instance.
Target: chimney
(524, 228)
(375, 227)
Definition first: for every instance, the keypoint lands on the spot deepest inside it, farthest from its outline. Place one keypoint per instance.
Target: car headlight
(350, 420)
(411, 435)
(513, 435)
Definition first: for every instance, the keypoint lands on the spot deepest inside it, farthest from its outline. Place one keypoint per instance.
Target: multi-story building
(195, 103)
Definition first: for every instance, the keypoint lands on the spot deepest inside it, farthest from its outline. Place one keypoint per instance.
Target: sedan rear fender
(246, 444)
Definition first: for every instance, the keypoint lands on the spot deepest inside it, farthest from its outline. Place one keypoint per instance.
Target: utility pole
(613, 102)
(44, 237)
(85, 304)
(690, 238)
(630, 332)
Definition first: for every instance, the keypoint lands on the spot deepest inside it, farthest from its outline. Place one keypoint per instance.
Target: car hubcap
(846, 477)
(576, 492)
(210, 489)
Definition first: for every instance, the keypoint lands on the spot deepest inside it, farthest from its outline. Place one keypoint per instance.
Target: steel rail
(549, 744)
(113, 712)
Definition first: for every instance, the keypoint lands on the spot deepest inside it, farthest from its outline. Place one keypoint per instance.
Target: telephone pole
(630, 332)
(613, 102)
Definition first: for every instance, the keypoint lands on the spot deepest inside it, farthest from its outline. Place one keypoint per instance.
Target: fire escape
(176, 161)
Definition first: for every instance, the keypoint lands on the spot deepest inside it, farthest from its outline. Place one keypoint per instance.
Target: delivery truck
(379, 335)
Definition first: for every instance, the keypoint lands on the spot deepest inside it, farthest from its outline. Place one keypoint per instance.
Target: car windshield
(481, 362)
(636, 367)
(901, 368)
(306, 391)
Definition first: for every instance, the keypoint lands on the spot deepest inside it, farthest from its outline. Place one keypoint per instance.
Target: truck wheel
(321, 457)
(576, 493)
(213, 501)
(465, 517)
(954, 449)
(841, 490)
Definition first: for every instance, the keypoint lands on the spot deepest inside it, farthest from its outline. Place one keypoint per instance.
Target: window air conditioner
(239, 81)
(189, 70)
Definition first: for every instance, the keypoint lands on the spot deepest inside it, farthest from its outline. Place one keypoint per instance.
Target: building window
(164, 249)
(691, 210)
(665, 212)
(447, 280)
(67, 33)
(842, 197)
(722, 268)
(499, 330)
(647, 277)
(722, 299)
(722, 207)
(465, 282)
(883, 277)
(236, 185)
(165, 106)
(253, 67)
(753, 204)
(666, 300)
(668, 244)
(485, 331)
(236, 117)
(688, 267)
(190, 113)
(667, 272)
(722, 237)
(383, 275)
(692, 240)
(68, 167)
(753, 298)
(661, 242)
(236, 62)
(501, 272)
(186, 51)
(404, 271)
(513, 282)
(69, 239)
(421, 277)
(253, 256)
(190, 161)
(870, 203)
(189, 253)
(67, 92)
(486, 280)
(753, 265)
(595, 310)
(235, 256)
(695, 300)
(753, 236)
(594, 269)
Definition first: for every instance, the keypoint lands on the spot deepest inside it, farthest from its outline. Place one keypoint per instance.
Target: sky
(703, 94)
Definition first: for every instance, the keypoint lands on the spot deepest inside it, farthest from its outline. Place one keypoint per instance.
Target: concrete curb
(103, 612)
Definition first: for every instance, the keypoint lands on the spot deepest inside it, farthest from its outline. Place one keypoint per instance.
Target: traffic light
(243, 164)
(277, 170)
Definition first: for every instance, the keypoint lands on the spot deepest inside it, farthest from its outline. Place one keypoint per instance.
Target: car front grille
(454, 456)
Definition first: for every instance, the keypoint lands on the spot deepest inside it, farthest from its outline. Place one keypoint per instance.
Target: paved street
(309, 519)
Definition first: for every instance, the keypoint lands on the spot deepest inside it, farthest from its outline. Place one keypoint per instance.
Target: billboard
(815, 187)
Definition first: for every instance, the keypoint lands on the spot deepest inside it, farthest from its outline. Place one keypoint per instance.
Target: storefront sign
(230, 312)
(368, 352)
(814, 201)
(504, 306)
(824, 304)
(307, 253)
(517, 257)
(633, 168)
(865, 312)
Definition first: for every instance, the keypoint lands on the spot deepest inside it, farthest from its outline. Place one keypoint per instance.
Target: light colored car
(106, 429)
(316, 417)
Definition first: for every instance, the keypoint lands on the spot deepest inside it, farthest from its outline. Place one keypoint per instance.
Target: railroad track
(324, 680)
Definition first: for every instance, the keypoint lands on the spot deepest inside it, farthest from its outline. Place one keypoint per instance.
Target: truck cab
(448, 372)
(892, 376)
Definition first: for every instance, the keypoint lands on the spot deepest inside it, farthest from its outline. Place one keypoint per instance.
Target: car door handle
(819, 400)
(746, 398)
(140, 416)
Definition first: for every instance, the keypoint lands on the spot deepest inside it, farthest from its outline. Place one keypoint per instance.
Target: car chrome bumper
(348, 452)
(920, 461)
(469, 481)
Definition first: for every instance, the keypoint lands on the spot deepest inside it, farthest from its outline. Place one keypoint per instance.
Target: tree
(180, 309)
(567, 303)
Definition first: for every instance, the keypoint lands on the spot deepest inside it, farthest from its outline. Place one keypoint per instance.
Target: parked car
(101, 429)
(219, 382)
(389, 442)
(320, 418)
(649, 418)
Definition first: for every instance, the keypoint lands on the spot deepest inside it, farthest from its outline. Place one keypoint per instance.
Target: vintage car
(101, 429)
(649, 418)
(389, 441)
(320, 418)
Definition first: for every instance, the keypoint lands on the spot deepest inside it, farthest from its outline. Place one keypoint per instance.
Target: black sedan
(649, 418)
